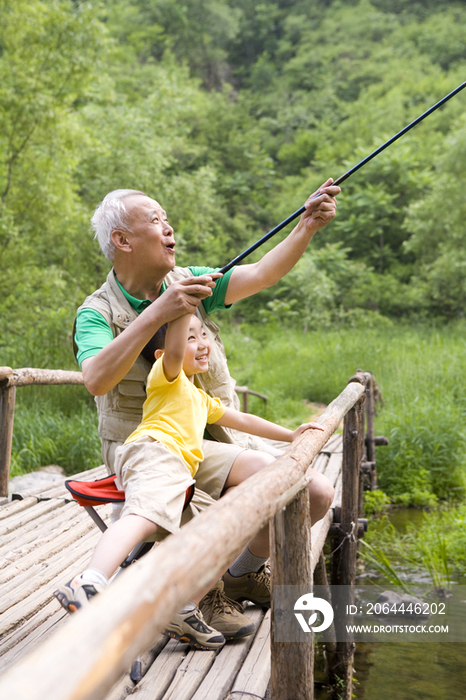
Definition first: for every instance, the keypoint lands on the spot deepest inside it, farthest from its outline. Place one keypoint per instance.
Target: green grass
(434, 544)
(420, 373)
(54, 425)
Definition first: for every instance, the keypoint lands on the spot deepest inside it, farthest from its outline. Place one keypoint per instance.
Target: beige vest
(120, 410)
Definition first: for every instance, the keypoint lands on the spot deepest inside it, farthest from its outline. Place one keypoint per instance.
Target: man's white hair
(111, 215)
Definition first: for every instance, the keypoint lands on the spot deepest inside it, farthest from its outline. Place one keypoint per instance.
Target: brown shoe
(189, 626)
(225, 615)
(254, 587)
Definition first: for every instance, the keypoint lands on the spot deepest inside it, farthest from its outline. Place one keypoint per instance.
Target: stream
(409, 670)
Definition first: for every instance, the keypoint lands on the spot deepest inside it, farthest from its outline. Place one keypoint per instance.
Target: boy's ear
(158, 354)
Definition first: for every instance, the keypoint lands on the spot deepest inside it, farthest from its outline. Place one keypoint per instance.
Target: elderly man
(144, 291)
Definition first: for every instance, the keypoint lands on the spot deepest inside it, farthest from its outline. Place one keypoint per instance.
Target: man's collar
(137, 304)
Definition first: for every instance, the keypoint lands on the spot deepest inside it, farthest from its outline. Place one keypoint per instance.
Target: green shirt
(93, 332)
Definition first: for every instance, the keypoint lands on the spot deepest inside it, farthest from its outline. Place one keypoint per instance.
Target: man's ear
(158, 354)
(121, 241)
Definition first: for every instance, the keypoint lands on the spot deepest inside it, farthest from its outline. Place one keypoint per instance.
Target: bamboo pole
(83, 659)
(292, 665)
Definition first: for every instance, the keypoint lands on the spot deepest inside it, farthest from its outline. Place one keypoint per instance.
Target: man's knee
(247, 463)
(321, 494)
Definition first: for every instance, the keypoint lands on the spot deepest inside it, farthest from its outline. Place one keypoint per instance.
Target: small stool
(99, 492)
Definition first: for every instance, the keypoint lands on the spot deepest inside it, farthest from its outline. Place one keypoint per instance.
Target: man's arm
(254, 425)
(247, 280)
(111, 364)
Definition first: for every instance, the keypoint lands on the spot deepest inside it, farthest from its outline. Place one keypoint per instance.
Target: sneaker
(74, 594)
(254, 587)
(189, 626)
(224, 614)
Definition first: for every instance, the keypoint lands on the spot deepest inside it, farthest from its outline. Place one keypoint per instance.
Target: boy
(156, 466)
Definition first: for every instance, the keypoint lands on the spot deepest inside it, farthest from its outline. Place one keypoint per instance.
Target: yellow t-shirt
(175, 413)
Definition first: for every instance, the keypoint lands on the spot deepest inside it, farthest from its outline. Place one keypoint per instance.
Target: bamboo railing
(85, 657)
(27, 376)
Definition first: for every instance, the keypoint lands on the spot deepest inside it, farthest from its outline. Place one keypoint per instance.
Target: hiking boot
(74, 594)
(189, 626)
(224, 614)
(254, 587)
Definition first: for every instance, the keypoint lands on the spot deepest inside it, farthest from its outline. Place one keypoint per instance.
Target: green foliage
(434, 544)
(437, 239)
(49, 55)
(438, 543)
(425, 456)
(230, 113)
(42, 435)
(375, 502)
(377, 558)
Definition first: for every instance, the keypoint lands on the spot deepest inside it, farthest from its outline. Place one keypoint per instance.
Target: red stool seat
(100, 491)
(95, 493)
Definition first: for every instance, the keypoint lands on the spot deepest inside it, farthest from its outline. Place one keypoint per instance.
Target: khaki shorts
(155, 481)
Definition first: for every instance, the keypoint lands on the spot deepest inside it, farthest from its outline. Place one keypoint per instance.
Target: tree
(49, 53)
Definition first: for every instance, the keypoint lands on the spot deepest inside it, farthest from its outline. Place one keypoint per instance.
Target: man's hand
(321, 207)
(111, 364)
(184, 297)
(247, 280)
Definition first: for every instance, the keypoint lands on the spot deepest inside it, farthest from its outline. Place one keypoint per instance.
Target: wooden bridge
(46, 538)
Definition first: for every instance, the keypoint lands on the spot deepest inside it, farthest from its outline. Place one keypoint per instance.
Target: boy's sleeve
(157, 375)
(215, 409)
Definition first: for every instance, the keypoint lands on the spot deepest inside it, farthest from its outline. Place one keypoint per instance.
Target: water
(405, 671)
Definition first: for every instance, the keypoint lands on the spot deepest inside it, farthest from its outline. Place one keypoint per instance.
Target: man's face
(151, 236)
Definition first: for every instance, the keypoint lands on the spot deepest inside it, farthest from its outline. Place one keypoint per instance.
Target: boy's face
(196, 357)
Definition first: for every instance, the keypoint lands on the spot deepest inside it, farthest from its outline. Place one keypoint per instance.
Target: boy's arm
(176, 340)
(249, 423)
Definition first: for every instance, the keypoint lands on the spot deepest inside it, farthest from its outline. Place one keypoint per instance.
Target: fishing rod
(341, 179)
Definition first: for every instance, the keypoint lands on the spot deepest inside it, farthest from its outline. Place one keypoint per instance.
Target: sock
(94, 576)
(246, 563)
(189, 607)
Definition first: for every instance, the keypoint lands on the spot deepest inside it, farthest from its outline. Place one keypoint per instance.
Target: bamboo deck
(45, 539)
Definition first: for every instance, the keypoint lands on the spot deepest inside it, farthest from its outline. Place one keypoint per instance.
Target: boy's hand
(302, 428)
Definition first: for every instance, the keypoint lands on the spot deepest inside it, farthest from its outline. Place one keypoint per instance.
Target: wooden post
(370, 431)
(292, 670)
(244, 391)
(321, 580)
(7, 412)
(344, 558)
(9, 380)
